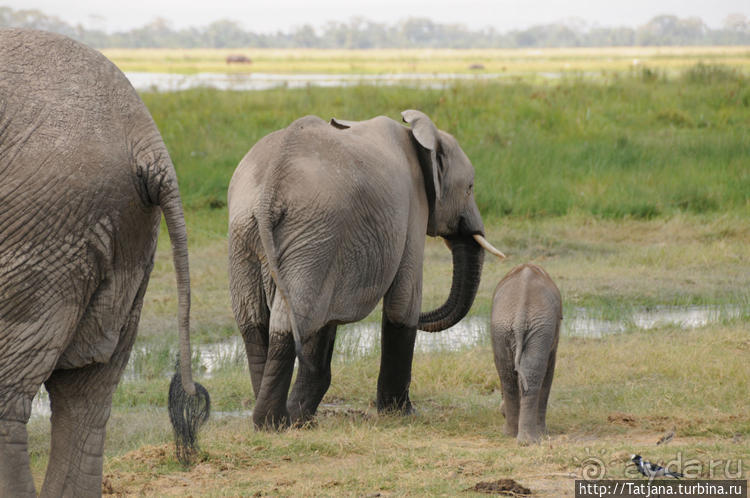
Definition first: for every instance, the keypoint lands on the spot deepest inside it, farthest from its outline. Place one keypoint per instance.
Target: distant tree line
(359, 33)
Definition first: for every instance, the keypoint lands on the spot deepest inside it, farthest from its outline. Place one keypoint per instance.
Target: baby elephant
(526, 314)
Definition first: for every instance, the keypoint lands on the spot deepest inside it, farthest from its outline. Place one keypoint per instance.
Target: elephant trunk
(468, 257)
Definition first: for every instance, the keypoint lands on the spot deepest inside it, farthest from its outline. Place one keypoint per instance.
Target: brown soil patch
(507, 487)
(620, 418)
(151, 456)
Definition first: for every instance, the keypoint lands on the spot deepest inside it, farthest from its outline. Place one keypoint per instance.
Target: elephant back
(68, 112)
(526, 290)
(66, 163)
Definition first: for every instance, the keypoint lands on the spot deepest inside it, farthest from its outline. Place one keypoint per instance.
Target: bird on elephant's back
(325, 220)
(84, 178)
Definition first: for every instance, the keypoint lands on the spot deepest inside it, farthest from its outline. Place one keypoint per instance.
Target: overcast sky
(272, 15)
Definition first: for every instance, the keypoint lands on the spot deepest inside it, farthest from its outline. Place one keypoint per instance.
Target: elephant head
(453, 215)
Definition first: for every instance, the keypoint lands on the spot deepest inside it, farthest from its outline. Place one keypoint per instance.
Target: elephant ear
(426, 134)
(422, 128)
(342, 124)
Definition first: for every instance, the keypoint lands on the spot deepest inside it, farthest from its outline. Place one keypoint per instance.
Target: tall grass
(637, 147)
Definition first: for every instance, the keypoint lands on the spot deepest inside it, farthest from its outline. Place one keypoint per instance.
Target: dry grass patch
(611, 397)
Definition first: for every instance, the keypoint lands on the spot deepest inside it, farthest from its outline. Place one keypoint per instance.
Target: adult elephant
(325, 219)
(83, 175)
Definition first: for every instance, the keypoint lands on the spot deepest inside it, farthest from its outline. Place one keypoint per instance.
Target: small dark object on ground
(476, 67)
(239, 59)
(620, 418)
(507, 487)
(344, 413)
(666, 438)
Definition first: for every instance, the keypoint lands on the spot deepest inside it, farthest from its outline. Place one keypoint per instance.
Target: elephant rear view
(84, 178)
(325, 220)
(525, 324)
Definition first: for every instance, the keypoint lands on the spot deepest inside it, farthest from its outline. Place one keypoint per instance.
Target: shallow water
(360, 339)
(168, 82)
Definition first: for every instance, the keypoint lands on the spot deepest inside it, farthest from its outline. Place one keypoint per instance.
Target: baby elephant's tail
(519, 330)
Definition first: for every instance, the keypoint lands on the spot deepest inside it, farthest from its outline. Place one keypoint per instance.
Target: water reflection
(169, 82)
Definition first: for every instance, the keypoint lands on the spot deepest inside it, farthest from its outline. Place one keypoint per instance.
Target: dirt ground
(227, 475)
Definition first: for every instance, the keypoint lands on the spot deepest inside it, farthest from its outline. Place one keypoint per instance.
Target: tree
(419, 32)
(671, 30)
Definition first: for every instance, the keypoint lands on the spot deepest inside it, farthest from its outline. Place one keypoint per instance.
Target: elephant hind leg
(81, 401)
(250, 308)
(531, 401)
(503, 356)
(270, 411)
(310, 387)
(544, 392)
(528, 427)
(28, 355)
(511, 401)
(255, 338)
(15, 473)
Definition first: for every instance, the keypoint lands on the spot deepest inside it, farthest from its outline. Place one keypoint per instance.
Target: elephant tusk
(489, 247)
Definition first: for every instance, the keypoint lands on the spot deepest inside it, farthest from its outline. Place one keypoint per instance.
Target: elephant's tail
(519, 329)
(266, 220)
(189, 402)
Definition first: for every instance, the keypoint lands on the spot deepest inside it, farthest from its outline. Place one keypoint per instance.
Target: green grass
(632, 148)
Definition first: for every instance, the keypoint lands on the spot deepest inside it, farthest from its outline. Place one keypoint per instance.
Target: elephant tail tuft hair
(187, 414)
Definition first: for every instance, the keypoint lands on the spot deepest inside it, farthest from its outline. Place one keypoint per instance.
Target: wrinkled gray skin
(83, 173)
(525, 323)
(325, 219)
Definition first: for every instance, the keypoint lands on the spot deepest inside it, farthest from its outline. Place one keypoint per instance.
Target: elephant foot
(271, 421)
(510, 429)
(395, 406)
(304, 423)
(527, 438)
(301, 418)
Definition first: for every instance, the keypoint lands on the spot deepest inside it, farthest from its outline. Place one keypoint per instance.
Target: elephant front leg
(397, 351)
(15, 474)
(310, 387)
